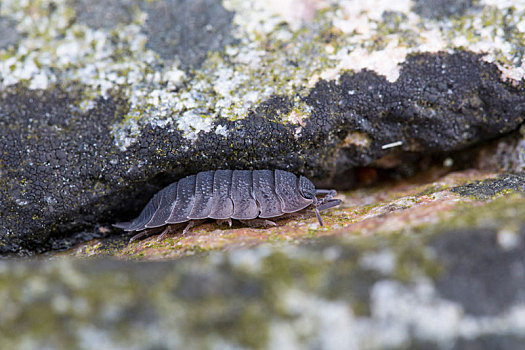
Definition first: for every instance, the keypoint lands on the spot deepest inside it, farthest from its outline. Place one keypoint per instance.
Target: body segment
(184, 202)
(264, 191)
(287, 189)
(244, 205)
(166, 205)
(221, 204)
(203, 195)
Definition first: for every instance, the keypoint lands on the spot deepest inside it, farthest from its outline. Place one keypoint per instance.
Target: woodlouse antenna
(325, 203)
(316, 204)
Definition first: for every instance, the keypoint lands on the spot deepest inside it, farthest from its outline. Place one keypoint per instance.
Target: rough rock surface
(460, 289)
(102, 103)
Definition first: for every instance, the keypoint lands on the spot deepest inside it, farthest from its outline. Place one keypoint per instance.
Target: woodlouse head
(307, 188)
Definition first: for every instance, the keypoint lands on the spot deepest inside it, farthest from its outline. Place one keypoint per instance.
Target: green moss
(499, 212)
(252, 329)
(412, 259)
(311, 233)
(195, 249)
(280, 270)
(432, 190)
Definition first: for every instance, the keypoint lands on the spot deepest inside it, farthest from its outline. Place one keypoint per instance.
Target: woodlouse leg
(325, 202)
(224, 221)
(191, 224)
(302, 214)
(257, 223)
(144, 233)
(328, 195)
(168, 230)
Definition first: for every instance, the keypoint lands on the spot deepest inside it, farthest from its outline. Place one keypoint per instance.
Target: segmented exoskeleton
(250, 196)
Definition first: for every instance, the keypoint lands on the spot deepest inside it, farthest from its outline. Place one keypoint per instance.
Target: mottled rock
(459, 289)
(506, 154)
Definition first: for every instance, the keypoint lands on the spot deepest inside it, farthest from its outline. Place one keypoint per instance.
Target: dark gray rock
(440, 103)
(483, 276)
(187, 29)
(442, 8)
(52, 157)
(104, 13)
(498, 342)
(490, 188)
(9, 34)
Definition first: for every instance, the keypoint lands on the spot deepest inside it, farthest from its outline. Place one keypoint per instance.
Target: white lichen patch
(296, 117)
(191, 124)
(313, 322)
(221, 130)
(504, 4)
(254, 18)
(508, 239)
(382, 261)
(52, 51)
(401, 312)
(385, 62)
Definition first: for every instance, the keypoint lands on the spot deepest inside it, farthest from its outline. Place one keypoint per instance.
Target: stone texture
(459, 289)
(442, 8)
(507, 154)
(104, 13)
(492, 187)
(9, 34)
(187, 29)
(439, 103)
(470, 278)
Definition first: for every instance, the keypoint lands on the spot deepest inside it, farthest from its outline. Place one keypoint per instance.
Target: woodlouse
(250, 196)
